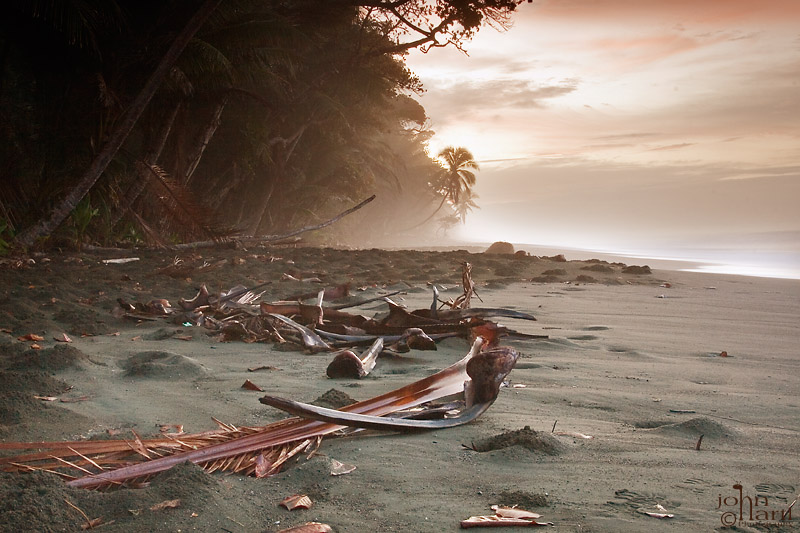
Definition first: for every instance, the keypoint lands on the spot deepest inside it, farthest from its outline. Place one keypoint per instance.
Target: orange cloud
(704, 11)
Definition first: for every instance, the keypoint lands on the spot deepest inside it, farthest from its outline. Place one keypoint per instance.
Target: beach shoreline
(773, 260)
(634, 361)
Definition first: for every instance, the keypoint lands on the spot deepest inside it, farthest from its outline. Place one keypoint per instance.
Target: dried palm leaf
(258, 451)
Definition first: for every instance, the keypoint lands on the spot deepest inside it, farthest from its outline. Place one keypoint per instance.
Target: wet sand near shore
(631, 360)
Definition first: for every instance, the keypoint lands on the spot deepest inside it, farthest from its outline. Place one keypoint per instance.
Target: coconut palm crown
(457, 180)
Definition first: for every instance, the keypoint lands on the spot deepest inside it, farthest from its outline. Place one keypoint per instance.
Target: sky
(652, 127)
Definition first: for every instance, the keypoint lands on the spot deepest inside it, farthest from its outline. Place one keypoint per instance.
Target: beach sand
(631, 360)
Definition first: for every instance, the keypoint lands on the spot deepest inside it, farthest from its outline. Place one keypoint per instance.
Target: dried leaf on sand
(339, 469)
(167, 504)
(296, 501)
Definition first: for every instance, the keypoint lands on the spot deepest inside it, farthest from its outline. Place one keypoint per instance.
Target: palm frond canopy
(456, 180)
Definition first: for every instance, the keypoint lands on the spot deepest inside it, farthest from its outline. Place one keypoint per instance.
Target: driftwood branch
(276, 238)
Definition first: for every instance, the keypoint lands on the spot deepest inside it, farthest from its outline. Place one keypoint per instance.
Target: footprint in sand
(783, 493)
(699, 486)
(622, 350)
(634, 501)
(584, 338)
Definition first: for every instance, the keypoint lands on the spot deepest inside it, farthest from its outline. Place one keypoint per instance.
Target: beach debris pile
(238, 315)
(451, 397)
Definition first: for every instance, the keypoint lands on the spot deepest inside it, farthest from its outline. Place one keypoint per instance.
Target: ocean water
(762, 261)
(765, 264)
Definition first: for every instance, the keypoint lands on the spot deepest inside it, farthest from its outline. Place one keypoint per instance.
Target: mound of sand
(692, 428)
(58, 357)
(159, 364)
(80, 320)
(526, 438)
(21, 412)
(38, 383)
(334, 399)
(35, 502)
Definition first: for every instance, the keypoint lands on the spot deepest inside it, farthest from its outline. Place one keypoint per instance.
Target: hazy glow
(615, 124)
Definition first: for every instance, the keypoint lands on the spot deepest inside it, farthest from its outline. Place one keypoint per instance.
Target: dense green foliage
(278, 113)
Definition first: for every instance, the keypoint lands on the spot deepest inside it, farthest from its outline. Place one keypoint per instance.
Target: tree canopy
(263, 115)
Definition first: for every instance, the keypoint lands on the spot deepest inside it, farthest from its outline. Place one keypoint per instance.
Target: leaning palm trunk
(259, 451)
(203, 140)
(49, 223)
(142, 177)
(441, 204)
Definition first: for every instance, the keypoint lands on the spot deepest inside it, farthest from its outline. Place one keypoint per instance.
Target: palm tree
(465, 205)
(455, 181)
(46, 224)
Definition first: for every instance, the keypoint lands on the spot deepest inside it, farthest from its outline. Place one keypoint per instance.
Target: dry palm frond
(260, 451)
(184, 213)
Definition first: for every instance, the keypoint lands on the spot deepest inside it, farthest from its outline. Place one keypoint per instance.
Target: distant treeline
(273, 114)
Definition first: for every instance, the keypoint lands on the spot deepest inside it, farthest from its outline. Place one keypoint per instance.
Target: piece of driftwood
(311, 340)
(347, 364)
(310, 314)
(447, 315)
(331, 293)
(464, 300)
(412, 338)
(273, 238)
(362, 302)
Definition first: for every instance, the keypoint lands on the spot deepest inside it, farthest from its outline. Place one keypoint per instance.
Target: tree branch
(275, 238)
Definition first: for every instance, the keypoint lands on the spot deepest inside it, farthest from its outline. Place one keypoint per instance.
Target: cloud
(687, 11)
(626, 136)
(636, 50)
(670, 147)
(763, 173)
(467, 96)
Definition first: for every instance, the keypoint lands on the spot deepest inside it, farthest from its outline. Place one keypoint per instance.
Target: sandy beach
(687, 384)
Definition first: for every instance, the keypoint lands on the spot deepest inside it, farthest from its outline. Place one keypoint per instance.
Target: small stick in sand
(89, 523)
(554, 426)
(699, 441)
